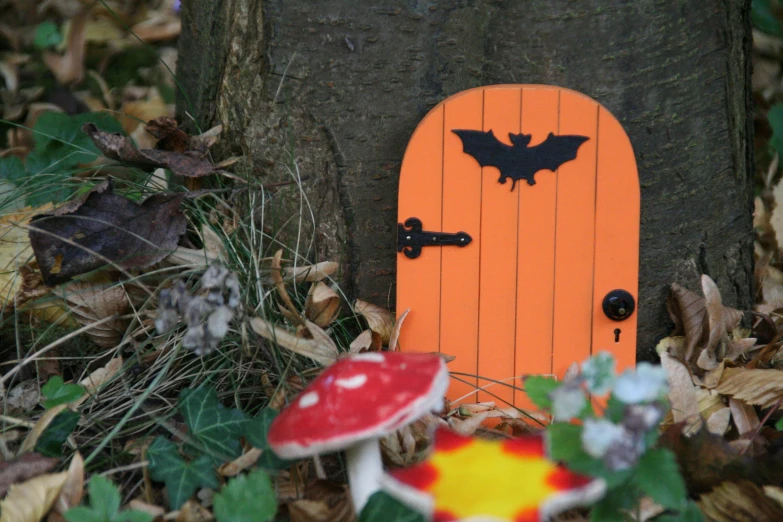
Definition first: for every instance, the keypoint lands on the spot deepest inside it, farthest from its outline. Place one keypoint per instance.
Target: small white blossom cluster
(621, 444)
(207, 316)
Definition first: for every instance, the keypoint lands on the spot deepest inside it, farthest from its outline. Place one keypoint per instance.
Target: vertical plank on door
(575, 236)
(616, 238)
(460, 272)
(418, 280)
(498, 256)
(536, 246)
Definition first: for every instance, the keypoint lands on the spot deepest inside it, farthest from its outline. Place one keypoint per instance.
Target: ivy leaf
(214, 426)
(381, 506)
(104, 505)
(247, 498)
(538, 389)
(57, 392)
(658, 476)
(51, 441)
(181, 478)
(256, 432)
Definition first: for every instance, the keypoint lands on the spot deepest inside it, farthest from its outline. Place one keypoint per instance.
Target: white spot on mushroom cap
(309, 399)
(369, 357)
(351, 383)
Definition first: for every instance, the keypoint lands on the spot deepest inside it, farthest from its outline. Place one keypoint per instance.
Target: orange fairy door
(518, 237)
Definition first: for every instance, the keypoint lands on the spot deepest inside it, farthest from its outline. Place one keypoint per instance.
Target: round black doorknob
(618, 305)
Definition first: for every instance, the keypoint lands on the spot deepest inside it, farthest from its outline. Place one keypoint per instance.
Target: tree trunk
(340, 85)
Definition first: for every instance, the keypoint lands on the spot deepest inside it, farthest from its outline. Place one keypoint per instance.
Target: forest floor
(155, 323)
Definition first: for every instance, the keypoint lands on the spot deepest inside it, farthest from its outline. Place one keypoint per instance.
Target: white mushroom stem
(365, 469)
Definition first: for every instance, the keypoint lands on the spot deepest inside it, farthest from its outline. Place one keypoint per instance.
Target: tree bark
(338, 87)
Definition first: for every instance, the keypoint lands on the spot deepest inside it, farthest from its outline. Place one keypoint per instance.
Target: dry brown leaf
(89, 301)
(133, 114)
(277, 278)
(396, 332)
(772, 287)
(744, 415)
(707, 360)
(192, 511)
(321, 352)
(23, 468)
(72, 491)
(682, 393)
(737, 348)
(32, 499)
(379, 319)
(213, 244)
(322, 304)
(366, 341)
(158, 26)
(776, 218)
(190, 257)
(24, 396)
(102, 375)
(69, 67)
(775, 493)
(323, 502)
(739, 501)
(140, 505)
(39, 427)
(311, 273)
(714, 306)
(756, 387)
(470, 425)
(712, 377)
(718, 422)
(241, 463)
(687, 309)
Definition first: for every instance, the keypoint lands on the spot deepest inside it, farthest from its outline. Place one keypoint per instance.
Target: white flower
(598, 435)
(599, 373)
(646, 383)
(568, 401)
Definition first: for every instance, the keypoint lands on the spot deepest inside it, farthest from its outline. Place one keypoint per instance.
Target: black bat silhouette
(519, 161)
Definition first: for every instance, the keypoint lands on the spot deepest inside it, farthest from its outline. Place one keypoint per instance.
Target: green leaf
(779, 424)
(256, 432)
(214, 426)
(47, 35)
(615, 410)
(181, 478)
(57, 392)
(247, 498)
(764, 19)
(82, 514)
(59, 137)
(12, 168)
(691, 513)
(104, 505)
(381, 506)
(610, 508)
(658, 475)
(538, 389)
(51, 441)
(104, 497)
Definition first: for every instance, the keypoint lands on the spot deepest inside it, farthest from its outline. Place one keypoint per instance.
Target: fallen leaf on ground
(395, 335)
(101, 376)
(682, 393)
(366, 341)
(91, 301)
(72, 491)
(311, 273)
(31, 500)
(757, 387)
(102, 227)
(379, 319)
(189, 164)
(292, 314)
(742, 500)
(24, 396)
(744, 415)
(322, 304)
(23, 468)
(241, 463)
(69, 67)
(317, 349)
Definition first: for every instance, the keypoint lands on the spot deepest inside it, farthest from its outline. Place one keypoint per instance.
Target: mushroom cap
(470, 479)
(359, 397)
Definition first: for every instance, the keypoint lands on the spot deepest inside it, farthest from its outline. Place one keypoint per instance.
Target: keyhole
(617, 335)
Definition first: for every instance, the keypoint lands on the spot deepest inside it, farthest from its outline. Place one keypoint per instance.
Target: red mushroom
(470, 479)
(352, 404)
